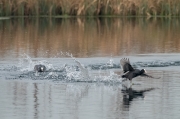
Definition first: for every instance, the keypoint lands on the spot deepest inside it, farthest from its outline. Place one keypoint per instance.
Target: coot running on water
(130, 72)
(39, 68)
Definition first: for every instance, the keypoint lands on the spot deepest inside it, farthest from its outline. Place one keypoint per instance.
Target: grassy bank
(147, 8)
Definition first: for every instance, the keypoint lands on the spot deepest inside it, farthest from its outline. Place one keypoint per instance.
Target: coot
(39, 68)
(130, 72)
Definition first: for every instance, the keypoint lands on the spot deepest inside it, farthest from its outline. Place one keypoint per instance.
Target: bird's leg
(131, 83)
(123, 82)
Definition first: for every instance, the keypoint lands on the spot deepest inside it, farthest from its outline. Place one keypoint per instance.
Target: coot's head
(39, 68)
(143, 71)
(42, 68)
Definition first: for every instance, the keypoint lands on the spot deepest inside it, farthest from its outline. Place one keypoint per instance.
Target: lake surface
(83, 77)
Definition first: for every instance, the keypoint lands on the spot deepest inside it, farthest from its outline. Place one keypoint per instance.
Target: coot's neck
(141, 72)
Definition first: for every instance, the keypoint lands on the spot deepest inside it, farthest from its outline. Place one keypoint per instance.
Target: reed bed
(148, 8)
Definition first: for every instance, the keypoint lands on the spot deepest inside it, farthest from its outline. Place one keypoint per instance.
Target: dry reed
(90, 7)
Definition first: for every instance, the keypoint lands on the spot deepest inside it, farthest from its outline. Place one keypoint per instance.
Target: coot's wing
(125, 65)
(148, 76)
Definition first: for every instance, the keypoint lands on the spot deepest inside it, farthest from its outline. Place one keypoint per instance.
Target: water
(83, 77)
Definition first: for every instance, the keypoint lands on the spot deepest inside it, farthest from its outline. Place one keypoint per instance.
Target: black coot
(130, 72)
(39, 68)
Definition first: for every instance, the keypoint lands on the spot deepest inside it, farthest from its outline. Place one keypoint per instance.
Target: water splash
(109, 78)
(79, 75)
(51, 75)
(110, 63)
(68, 73)
(72, 73)
(27, 64)
(84, 71)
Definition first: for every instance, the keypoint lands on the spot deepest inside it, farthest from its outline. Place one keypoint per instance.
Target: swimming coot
(130, 72)
(39, 68)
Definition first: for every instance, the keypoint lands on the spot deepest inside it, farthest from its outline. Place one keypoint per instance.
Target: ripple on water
(76, 89)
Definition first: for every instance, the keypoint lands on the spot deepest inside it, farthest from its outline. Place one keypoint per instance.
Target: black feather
(39, 68)
(125, 65)
(130, 72)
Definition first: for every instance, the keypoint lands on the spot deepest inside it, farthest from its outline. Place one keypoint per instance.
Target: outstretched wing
(148, 76)
(125, 65)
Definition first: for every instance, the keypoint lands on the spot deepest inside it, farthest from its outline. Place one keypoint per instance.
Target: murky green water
(82, 57)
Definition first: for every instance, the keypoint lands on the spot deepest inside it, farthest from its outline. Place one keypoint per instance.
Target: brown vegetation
(90, 7)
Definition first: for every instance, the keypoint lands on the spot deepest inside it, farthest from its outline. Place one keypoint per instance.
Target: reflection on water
(83, 37)
(129, 94)
(40, 99)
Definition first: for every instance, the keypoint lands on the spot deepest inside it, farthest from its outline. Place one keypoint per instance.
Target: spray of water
(27, 64)
(76, 73)
(73, 74)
